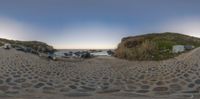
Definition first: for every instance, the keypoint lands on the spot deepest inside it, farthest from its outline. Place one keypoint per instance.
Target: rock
(131, 87)
(4, 88)
(142, 91)
(77, 94)
(197, 81)
(8, 80)
(175, 87)
(192, 91)
(12, 92)
(130, 94)
(1, 81)
(20, 80)
(16, 87)
(26, 85)
(48, 90)
(162, 93)
(188, 80)
(73, 86)
(191, 85)
(16, 76)
(42, 80)
(39, 85)
(108, 91)
(64, 89)
(145, 87)
(186, 75)
(59, 86)
(50, 84)
(160, 89)
(88, 88)
(174, 80)
(160, 83)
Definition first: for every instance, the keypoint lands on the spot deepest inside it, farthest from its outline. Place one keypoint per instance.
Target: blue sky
(95, 23)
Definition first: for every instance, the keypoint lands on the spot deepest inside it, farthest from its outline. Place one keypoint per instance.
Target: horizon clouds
(91, 35)
(93, 23)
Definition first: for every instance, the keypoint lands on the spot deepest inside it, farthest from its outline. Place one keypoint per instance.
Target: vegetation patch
(36, 45)
(154, 46)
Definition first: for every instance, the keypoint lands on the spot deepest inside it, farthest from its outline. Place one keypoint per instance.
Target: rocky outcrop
(154, 46)
(35, 45)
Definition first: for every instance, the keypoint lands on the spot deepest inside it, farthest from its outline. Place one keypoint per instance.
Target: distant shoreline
(82, 49)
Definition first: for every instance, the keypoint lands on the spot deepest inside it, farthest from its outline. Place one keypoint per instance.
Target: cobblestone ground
(24, 74)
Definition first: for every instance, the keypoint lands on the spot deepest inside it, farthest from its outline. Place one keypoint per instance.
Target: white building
(178, 48)
(7, 46)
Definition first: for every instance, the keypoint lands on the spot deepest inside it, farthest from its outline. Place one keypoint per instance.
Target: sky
(95, 24)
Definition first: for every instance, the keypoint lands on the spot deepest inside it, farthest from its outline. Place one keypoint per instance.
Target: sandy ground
(26, 76)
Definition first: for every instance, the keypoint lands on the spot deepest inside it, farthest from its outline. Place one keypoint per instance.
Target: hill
(36, 45)
(153, 46)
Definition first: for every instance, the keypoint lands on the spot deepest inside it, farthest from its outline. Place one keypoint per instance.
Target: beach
(28, 76)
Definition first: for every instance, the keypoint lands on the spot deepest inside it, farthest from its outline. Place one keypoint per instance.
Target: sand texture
(27, 76)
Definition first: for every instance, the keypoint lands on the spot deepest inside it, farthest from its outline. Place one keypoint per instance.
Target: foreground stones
(22, 73)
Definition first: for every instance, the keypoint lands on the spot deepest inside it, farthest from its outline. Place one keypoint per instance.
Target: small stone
(197, 81)
(174, 80)
(59, 86)
(77, 94)
(12, 83)
(132, 87)
(39, 85)
(64, 90)
(186, 75)
(141, 77)
(48, 73)
(191, 85)
(12, 92)
(162, 93)
(50, 84)
(145, 87)
(109, 91)
(188, 80)
(48, 90)
(16, 87)
(74, 80)
(160, 83)
(72, 86)
(88, 88)
(192, 91)
(8, 80)
(175, 87)
(20, 80)
(16, 76)
(4, 88)
(42, 80)
(26, 85)
(1, 81)
(160, 89)
(30, 90)
(106, 84)
(142, 91)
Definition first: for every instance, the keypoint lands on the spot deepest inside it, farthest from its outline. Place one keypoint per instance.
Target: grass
(154, 46)
(36, 45)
